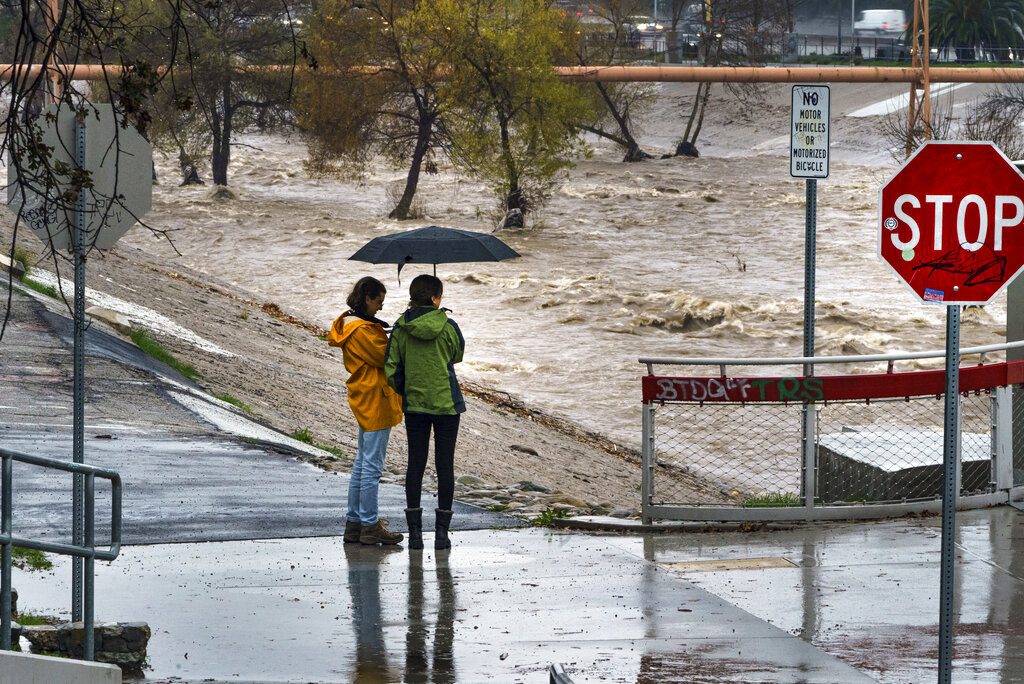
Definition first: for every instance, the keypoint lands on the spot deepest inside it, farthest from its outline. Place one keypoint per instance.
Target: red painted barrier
(669, 389)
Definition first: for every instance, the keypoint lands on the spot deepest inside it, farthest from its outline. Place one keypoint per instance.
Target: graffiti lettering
(740, 389)
(702, 389)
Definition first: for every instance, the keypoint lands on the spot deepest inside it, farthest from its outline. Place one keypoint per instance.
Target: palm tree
(969, 24)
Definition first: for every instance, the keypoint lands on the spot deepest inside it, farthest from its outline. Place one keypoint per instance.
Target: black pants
(446, 431)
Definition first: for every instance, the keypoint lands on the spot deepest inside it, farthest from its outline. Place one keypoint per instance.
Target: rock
(123, 644)
(114, 319)
(567, 500)
(513, 219)
(527, 486)
(482, 493)
(14, 267)
(523, 449)
(221, 192)
(15, 632)
(42, 637)
(622, 513)
(470, 481)
(687, 149)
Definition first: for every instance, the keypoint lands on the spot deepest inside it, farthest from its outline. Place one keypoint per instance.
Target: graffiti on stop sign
(973, 218)
(951, 222)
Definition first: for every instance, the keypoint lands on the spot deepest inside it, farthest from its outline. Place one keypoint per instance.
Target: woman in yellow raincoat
(363, 339)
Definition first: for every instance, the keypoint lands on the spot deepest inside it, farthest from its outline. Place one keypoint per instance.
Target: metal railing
(858, 445)
(87, 550)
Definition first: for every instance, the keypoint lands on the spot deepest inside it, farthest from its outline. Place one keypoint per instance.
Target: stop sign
(951, 222)
(120, 165)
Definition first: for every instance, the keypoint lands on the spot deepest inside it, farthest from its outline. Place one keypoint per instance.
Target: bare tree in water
(617, 106)
(734, 32)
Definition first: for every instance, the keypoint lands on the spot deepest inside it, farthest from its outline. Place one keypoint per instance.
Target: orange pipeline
(683, 74)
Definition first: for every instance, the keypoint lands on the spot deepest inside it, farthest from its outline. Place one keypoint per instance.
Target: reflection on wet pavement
(868, 592)
(503, 605)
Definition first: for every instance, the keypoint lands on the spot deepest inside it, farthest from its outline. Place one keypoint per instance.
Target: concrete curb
(605, 523)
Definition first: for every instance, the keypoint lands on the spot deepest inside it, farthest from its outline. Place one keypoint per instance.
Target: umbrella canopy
(433, 245)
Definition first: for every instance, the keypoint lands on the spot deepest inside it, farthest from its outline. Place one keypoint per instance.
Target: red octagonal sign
(951, 222)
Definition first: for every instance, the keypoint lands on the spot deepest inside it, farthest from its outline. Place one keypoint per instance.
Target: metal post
(839, 29)
(5, 562)
(1002, 439)
(951, 442)
(808, 413)
(78, 449)
(647, 464)
(1015, 333)
(90, 563)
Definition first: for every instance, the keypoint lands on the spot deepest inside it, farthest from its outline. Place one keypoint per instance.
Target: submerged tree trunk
(633, 151)
(424, 134)
(222, 137)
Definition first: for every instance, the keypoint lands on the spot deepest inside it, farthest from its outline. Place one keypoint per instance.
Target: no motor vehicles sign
(808, 147)
(951, 222)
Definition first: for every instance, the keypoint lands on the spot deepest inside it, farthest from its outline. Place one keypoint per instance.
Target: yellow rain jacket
(363, 343)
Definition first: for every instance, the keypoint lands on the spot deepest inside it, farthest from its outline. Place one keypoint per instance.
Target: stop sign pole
(120, 165)
(950, 226)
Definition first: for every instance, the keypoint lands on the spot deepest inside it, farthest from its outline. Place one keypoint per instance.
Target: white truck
(880, 22)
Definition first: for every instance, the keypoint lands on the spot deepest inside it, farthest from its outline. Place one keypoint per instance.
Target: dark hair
(423, 289)
(364, 287)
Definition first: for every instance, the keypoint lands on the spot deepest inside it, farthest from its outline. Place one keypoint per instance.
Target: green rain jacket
(424, 347)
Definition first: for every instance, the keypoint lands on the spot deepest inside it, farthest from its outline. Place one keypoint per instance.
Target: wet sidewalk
(503, 605)
(839, 603)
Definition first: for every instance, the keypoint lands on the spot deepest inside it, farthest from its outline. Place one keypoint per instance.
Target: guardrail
(88, 550)
(841, 446)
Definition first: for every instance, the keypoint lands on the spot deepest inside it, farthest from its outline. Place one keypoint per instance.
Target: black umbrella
(433, 245)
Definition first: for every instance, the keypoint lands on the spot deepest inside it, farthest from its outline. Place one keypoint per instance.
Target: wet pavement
(814, 604)
(500, 606)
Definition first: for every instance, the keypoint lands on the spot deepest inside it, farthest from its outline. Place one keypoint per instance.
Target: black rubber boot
(414, 517)
(444, 521)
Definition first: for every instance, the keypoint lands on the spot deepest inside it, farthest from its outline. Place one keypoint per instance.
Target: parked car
(645, 26)
(880, 22)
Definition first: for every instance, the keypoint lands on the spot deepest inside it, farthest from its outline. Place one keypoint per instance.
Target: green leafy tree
(969, 24)
(509, 119)
(232, 72)
(350, 112)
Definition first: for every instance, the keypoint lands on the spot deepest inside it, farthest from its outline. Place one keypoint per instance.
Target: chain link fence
(882, 451)
(890, 451)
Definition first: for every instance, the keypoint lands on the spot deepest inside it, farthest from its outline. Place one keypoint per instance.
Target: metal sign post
(78, 444)
(808, 158)
(120, 166)
(950, 463)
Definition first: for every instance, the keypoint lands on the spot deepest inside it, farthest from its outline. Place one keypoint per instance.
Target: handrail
(88, 550)
(802, 360)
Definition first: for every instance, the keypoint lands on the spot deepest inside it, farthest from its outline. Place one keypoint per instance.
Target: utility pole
(920, 111)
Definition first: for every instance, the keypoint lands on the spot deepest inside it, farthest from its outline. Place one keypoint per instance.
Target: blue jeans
(362, 486)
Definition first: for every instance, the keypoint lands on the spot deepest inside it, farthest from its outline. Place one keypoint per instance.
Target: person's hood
(348, 323)
(423, 322)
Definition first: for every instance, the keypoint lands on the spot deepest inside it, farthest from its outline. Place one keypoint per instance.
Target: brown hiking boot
(352, 530)
(378, 533)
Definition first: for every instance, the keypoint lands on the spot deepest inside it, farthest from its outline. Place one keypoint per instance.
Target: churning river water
(675, 257)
